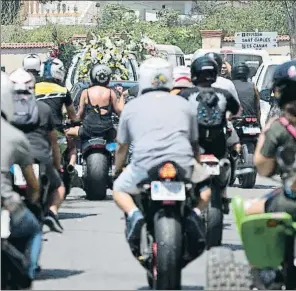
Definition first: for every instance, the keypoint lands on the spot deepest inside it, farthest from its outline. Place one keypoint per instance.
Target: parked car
(263, 80)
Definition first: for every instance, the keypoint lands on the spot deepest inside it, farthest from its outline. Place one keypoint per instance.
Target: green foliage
(116, 17)
(168, 17)
(10, 11)
(261, 15)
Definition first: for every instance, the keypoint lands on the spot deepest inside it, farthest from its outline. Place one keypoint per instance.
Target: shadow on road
(184, 287)
(233, 247)
(227, 225)
(50, 274)
(73, 215)
(257, 186)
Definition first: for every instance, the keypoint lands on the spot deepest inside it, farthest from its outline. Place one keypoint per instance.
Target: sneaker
(52, 221)
(134, 226)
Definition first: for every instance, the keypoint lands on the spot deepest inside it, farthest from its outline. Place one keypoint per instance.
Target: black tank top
(247, 97)
(96, 124)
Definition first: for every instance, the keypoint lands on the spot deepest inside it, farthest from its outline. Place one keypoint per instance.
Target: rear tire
(248, 181)
(214, 221)
(96, 176)
(168, 238)
(224, 273)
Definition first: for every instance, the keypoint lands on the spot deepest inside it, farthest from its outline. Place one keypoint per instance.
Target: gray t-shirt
(15, 149)
(161, 127)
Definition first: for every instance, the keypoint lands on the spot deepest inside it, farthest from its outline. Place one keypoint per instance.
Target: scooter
(269, 241)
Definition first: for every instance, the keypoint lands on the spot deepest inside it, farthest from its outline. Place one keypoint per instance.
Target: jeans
(28, 232)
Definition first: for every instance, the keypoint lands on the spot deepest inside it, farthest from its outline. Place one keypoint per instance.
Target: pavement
(92, 253)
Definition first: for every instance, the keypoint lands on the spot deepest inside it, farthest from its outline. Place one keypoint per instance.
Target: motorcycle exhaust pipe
(70, 169)
(234, 154)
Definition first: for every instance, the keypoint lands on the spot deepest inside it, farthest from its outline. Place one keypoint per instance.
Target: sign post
(256, 40)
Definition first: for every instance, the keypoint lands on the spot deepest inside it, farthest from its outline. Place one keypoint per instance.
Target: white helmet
(53, 69)
(100, 74)
(32, 62)
(155, 74)
(182, 77)
(23, 81)
(7, 105)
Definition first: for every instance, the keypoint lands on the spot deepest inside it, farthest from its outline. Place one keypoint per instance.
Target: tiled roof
(279, 38)
(27, 45)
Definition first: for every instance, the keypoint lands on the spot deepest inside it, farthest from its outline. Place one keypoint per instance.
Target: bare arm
(257, 96)
(120, 156)
(81, 110)
(71, 112)
(32, 183)
(55, 149)
(117, 105)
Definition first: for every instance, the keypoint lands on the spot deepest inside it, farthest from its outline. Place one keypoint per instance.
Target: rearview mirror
(265, 94)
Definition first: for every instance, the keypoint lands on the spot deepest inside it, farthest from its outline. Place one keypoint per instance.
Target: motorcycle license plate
(212, 169)
(79, 169)
(251, 130)
(19, 179)
(174, 191)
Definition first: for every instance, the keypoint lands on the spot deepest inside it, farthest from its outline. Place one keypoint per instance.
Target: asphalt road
(92, 253)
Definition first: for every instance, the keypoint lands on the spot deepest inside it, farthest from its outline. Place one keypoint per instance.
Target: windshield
(253, 61)
(267, 81)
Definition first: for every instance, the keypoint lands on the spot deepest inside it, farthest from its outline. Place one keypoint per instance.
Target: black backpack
(210, 116)
(26, 113)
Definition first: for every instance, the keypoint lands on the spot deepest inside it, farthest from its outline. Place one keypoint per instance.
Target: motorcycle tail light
(248, 119)
(254, 119)
(167, 171)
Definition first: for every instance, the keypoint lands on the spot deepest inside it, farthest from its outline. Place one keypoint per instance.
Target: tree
(261, 15)
(168, 17)
(9, 11)
(290, 13)
(116, 16)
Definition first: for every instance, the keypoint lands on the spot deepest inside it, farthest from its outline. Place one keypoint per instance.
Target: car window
(131, 76)
(252, 61)
(267, 81)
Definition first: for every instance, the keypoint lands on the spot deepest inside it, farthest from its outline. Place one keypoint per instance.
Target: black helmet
(240, 72)
(217, 59)
(100, 75)
(204, 69)
(284, 83)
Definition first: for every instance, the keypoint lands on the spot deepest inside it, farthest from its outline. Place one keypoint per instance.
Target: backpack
(210, 116)
(26, 113)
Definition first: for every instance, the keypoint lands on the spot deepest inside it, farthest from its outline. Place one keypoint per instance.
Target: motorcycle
(166, 199)
(213, 214)
(20, 187)
(14, 264)
(248, 130)
(269, 241)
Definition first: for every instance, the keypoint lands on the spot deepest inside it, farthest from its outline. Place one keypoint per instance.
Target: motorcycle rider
(226, 84)
(204, 72)
(157, 135)
(247, 92)
(278, 132)
(97, 103)
(182, 79)
(52, 92)
(32, 64)
(15, 149)
(274, 135)
(43, 142)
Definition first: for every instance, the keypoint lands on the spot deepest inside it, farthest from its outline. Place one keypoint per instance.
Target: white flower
(108, 43)
(93, 53)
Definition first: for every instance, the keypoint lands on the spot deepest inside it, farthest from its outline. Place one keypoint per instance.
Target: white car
(263, 80)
